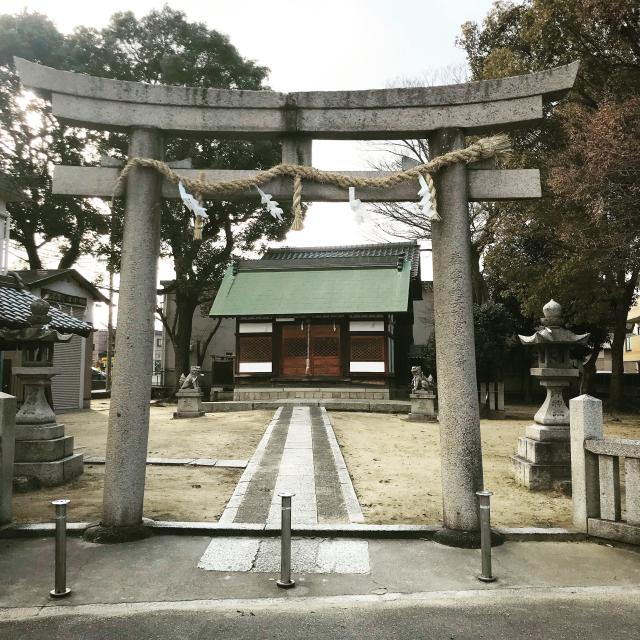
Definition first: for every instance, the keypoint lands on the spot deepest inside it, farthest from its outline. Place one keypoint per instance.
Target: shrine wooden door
(311, 351)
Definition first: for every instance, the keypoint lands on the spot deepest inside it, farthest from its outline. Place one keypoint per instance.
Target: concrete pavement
(414, 588)
(578, 613)
(164, 568)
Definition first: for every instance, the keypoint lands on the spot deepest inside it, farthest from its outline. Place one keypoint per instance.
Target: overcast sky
(324, 45)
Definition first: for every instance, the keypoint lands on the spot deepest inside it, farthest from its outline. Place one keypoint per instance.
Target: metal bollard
(285, 581)
(61, 589)
(485, 535)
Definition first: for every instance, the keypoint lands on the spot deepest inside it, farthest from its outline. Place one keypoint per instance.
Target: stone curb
(369, 531)
(542, 534)
(182, 462)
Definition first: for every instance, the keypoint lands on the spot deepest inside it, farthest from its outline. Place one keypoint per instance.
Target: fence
(491, 396)
(599, 487)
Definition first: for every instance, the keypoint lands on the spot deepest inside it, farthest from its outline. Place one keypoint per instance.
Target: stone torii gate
(445, 115)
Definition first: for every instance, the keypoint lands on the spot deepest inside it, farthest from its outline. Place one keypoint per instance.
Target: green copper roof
(309, 291)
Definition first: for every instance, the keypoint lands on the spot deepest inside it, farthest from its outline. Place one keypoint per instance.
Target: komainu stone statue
(192, 381)
(423, 397)
(189, 395)
(419, 382)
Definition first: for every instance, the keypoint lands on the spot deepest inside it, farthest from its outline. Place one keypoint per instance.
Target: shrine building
(325, 316)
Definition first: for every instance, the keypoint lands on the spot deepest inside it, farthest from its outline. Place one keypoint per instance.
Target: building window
(254, 348)
(627, 343)
(367, 348)
(158, 342)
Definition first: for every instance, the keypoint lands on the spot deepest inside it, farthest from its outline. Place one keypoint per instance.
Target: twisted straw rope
(482, 149)
(297, 203)
(435, 217)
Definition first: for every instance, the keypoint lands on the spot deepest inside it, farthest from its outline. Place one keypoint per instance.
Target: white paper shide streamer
(272, 205)
(426, 202)
(196, 208)
(356, 205)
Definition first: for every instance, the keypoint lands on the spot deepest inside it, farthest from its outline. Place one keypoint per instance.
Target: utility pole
(110, 328)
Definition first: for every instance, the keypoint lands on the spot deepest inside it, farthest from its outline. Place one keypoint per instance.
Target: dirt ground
(395, 468)
(231, 436)
(194, 494)
(171, 493)
(394, 465)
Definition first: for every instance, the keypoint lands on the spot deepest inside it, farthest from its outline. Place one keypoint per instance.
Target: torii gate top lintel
(476, 107)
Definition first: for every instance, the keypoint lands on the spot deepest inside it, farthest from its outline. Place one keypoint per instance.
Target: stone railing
(491, 396)
(7, 449)
(597, 488)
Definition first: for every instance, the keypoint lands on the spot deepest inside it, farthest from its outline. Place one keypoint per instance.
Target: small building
(213, 354)
(632, 342)
(631, 355)
(68, 291)
(326, 316)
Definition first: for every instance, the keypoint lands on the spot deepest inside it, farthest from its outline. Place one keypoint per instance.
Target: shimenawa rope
(482, 149)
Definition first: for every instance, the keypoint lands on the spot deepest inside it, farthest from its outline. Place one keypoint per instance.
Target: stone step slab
(544, 451)
(51, 474)
(43, 450)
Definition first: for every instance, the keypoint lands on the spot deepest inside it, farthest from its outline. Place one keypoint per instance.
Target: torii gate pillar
(126, 455)
(458, 413)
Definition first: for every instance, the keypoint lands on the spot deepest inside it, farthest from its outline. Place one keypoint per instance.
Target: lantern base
(541, 465)
(51, 473)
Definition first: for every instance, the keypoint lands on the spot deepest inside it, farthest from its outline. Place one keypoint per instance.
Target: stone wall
(309, 393)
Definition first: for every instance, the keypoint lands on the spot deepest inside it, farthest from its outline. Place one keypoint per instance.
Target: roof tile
(389, 249)
(15, 309)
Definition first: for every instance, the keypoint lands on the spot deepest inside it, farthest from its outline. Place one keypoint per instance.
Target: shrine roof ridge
(320, 264)
(354, 251)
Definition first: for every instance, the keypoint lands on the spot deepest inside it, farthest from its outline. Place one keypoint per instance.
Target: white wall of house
(222, 345)
(71, 387)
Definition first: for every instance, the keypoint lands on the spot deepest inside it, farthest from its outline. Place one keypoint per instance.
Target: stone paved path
(308, 555)
(298, 453)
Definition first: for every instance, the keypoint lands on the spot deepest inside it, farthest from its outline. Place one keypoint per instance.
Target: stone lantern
(42, 451)
(543, 457)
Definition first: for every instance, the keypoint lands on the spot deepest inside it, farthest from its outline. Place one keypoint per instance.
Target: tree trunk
(616, 392)
(479, 286)
(185, 308)
(204, 344)
(71, 255)
(32, 252)
(588, 382)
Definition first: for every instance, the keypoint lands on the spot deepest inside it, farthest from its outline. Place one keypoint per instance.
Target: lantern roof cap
(552, 331)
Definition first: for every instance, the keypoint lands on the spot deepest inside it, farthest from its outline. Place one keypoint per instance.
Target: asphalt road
(585, 613)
